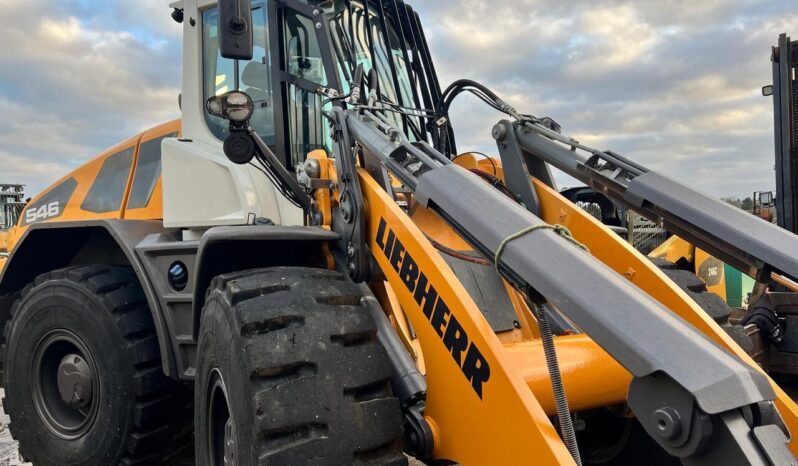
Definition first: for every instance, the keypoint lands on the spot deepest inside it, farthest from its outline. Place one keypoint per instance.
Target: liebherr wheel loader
(307, 252)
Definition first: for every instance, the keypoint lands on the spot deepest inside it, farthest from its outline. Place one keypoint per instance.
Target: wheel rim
(222, 439)
(66, 391)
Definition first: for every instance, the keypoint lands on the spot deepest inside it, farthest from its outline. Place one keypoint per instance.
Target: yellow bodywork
(703, 264)
(502, 421)
(85, 177)
(512, 415)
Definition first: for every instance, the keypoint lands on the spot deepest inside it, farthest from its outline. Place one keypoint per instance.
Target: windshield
(289, 112)
(363, 35)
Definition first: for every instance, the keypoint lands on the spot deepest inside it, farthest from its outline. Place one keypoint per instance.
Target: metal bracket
(749, 435)
(516, 175)
(349, 217)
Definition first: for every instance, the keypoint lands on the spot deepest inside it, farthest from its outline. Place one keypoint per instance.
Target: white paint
(201, 187)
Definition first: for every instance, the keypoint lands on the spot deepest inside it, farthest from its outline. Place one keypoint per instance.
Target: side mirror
(767, 91)
(235, 29)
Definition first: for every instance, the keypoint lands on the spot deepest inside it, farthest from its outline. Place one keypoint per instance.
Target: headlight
(234, 106)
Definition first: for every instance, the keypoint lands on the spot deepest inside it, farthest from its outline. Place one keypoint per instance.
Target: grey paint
(61, 194)
(126, 233)
(219, 237)
(487, 290)
(637, 331)
(716, 224)
(157, 253)
(730, 234)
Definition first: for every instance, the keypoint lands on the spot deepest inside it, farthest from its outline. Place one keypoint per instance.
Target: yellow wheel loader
(307, 263)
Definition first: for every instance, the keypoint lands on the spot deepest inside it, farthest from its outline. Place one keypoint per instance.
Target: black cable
(416, 130)
(493, 181)
(284, 190)
(489, 159)
(461, 84)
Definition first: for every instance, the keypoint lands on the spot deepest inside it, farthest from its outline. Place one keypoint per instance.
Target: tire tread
(155, 421)
(319, 379)
(711, 303)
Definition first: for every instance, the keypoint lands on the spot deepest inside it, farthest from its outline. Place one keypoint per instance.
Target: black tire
(711, 303)
(289, 367)
(99, 314)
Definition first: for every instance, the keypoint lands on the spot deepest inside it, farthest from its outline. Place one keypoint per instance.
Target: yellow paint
(674, 249)
(706, 264)
(621, 256)
(508, 425)
(85, 177)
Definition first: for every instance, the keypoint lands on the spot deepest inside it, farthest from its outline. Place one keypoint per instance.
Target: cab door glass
(306, 123)
(254, 76)
(302, 48)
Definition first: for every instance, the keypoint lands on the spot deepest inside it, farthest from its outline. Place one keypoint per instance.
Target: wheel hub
(66, 389)
(222, 439)
(75, 381)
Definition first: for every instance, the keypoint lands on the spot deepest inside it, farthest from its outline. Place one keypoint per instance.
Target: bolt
(316, 12)
(668, 423)
(312, 168)
(318, 25)
(499, 132)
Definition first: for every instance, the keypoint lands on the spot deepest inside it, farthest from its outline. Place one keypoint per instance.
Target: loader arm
(743, 241)
(474, 384)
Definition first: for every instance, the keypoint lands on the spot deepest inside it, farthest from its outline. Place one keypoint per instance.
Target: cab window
(108, 189)
(148, 170)
(307, 126)
(254, 76)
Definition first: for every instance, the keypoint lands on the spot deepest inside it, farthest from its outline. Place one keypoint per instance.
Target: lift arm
(743, 241)
(715, 409)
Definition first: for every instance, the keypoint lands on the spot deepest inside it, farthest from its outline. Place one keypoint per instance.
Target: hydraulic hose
(560, 400)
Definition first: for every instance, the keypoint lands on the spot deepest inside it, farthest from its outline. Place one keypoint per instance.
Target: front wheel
(289, 372)
(83, 376)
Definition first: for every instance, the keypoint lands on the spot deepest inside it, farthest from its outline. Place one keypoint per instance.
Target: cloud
(672, 84)
(74, 83)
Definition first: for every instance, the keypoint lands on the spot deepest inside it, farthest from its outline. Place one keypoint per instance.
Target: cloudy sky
(672, 84)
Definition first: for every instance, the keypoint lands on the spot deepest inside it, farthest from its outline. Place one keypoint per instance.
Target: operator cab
(303, 54)
(319, 46)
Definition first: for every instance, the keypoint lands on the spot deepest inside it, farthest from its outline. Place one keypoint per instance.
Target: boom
(744, 241)
(710, 397)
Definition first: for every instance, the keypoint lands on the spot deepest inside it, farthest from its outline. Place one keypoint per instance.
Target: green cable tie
(559, 229)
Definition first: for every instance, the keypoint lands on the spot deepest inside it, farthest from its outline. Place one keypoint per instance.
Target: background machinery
(12, 201)
(353, 288)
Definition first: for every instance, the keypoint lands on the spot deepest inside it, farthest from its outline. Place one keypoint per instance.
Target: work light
(235, 106)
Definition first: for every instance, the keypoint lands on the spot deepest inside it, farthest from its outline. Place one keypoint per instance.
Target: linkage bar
(706, 402)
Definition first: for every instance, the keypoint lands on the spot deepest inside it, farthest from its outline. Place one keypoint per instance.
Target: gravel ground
(9, 456)
(8, 446)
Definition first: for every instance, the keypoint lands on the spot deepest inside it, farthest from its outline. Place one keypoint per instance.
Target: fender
(53, 245)
(226, 249)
